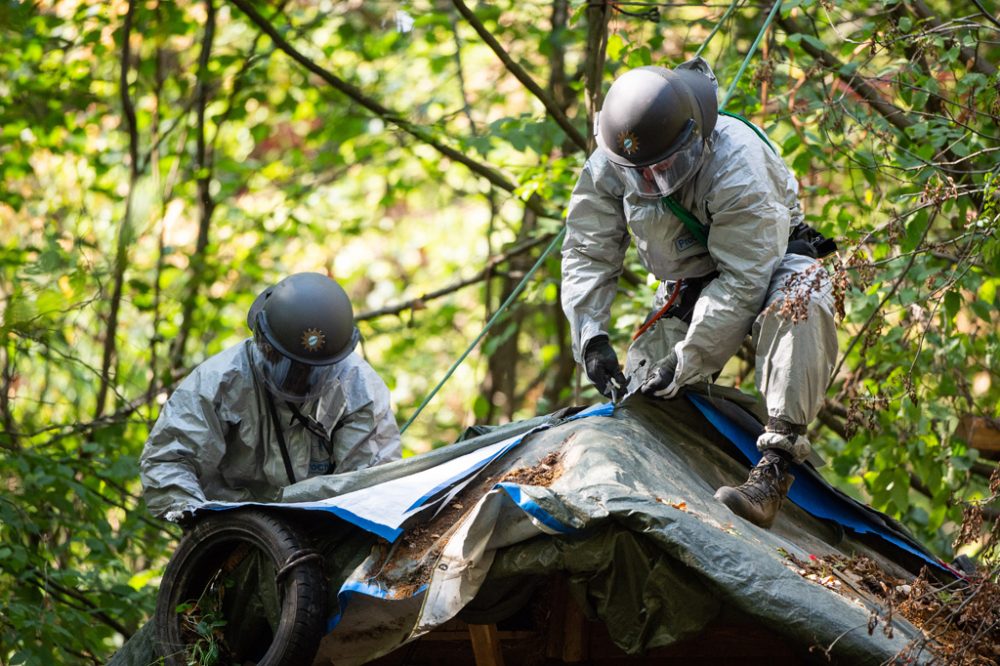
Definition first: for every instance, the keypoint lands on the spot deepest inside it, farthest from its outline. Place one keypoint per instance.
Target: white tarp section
(383, 509)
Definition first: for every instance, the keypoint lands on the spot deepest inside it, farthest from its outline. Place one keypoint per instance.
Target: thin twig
(121, 253)
(128, 108)
(206, 204)
(892, 292)
(557, 113)
(384, 112)
(486, 272)
(46, 584)
(852, 79)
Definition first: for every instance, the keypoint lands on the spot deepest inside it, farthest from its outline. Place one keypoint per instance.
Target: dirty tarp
(631, 518)
(624, 506)
(408, 493)
(355, 498)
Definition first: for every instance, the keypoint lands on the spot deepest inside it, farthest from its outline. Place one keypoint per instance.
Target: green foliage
(301, 177)
(202, 627)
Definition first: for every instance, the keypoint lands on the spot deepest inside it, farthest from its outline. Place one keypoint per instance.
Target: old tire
(207, 553)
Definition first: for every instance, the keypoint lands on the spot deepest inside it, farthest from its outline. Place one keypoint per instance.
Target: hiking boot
(759, 499)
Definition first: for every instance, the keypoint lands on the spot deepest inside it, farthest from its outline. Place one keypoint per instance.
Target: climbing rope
(562, 232)
(753, 49)
(489, 324)
(718, 26)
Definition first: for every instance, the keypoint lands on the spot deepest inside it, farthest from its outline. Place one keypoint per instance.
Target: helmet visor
(285, 378)
(667, 175)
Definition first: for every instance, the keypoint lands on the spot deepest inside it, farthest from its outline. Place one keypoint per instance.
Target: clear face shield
(666, 176)
(285, 378)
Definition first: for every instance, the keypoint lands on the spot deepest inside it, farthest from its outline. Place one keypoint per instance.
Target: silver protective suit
(748, 199)
(215, 439)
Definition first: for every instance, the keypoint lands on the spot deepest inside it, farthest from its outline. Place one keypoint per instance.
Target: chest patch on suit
(318, 467)
(684, 242)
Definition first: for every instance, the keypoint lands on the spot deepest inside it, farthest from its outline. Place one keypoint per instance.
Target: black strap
(317, 429)
(312, 425)
(281, 438)
(784, 427)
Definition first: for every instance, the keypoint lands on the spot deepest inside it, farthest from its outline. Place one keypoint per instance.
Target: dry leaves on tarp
(959, 620)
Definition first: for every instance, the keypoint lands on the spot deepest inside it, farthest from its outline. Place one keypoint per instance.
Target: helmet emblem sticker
(313, 339)
(628, 142)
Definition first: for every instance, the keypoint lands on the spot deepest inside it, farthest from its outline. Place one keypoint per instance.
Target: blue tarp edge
(807, 492)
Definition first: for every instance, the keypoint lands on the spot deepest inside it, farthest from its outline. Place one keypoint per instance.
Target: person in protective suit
(291, 402)
(743, 262)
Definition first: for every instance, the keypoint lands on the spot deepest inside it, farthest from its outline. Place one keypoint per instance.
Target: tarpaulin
(620, 502)
(384, 510)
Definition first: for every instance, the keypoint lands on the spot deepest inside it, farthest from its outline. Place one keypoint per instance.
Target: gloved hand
(602, 366)
(803, 247)
(183, 517)
(660, 383)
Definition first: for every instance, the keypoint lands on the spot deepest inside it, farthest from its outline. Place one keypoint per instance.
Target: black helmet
(652, 116)
(301, 325)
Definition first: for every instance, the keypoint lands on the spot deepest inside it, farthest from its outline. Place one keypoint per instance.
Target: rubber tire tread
(198, 557)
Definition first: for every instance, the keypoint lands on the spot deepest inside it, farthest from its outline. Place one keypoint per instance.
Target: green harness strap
(758, 131)
(693, 224)
(697, 229)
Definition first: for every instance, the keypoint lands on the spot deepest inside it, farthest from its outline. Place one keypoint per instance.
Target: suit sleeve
(367, 434)
(593, 251)
(187, 436)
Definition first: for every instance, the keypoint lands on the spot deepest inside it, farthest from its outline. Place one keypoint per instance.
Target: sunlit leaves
(301, 178)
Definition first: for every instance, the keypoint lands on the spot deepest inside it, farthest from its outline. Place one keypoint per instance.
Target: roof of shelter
(623, 497)
(620, 498)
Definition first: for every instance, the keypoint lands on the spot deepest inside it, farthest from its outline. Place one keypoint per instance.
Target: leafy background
(161, 162)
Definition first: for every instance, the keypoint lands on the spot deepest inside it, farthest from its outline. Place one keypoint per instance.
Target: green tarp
(624, 506)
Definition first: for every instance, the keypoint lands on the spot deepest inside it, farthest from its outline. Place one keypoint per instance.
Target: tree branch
(238, 81)
(46, 584)
(121, 252)
(598, 14)
(557, 113)
(124, 507)
(989, 17)
(8, 438)
(485, 273)
(78, 427)
(206, 204)
(967, 54)
(466, 107)
(828, 418)
(892, 292)
(862, 88)
(559, 86)
(128, 109)
(386, 114)
(892, 113)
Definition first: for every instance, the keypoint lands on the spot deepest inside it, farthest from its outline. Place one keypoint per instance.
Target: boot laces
(763, 484)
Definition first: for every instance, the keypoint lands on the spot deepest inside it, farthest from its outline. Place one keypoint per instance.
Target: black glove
(184, 518)
(602, 366)
(808, 242)
(802, 247)
(659, 384)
